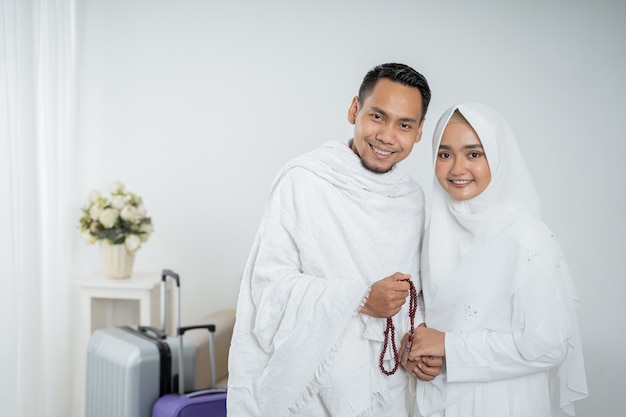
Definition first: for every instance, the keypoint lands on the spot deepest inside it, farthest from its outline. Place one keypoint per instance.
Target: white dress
(496, 282)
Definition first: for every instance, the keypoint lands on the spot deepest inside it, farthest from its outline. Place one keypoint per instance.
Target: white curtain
(37, 117)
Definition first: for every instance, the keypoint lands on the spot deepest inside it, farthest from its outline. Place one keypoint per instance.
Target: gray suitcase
(130, 367)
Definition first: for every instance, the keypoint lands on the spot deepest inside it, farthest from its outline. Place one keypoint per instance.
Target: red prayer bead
(391, 331)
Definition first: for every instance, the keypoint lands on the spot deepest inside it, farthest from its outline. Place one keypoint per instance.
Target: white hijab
(460, 230)
(510, 192)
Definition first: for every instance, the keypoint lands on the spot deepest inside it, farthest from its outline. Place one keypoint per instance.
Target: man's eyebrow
(379, 110)
(384, 113)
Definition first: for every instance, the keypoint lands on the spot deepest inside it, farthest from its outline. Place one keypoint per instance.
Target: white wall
(195, 105)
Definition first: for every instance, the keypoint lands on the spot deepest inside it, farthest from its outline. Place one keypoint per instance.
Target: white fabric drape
(36, 222)
(297, 323)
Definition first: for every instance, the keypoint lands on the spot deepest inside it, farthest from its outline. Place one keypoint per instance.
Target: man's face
(386, 125)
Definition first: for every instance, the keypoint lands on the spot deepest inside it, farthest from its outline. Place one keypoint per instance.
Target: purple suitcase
(203, 403)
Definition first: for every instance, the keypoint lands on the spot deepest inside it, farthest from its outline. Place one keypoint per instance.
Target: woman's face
(461, 166)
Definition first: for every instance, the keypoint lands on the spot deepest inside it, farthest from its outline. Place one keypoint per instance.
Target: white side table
(142, 288)
(105, 302)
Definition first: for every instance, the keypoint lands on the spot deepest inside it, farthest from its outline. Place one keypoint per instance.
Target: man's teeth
(381, 152)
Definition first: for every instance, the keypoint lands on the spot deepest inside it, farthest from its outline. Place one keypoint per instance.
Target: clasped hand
(425, 358)
(386, 298)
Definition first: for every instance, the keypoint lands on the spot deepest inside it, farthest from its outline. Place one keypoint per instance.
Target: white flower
(118, 202)
(132, 242)
(130, 213)
(94, 196)
(120, 217)
(88, 237)
(94, 212)
(108, 217)
(147, 229)
(116, 187)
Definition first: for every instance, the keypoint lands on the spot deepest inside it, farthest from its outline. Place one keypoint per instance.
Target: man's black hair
(398, 73)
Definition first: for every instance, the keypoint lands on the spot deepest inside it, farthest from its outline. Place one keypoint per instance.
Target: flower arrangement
(119, 219)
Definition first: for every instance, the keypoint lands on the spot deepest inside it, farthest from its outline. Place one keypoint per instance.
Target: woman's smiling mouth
(460, 182)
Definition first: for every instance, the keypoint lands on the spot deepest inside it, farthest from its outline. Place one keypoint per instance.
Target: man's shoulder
(315, 160)
(334, 163)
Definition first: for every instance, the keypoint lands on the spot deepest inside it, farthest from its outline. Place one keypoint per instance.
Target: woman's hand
(425, 368)
(427, 342)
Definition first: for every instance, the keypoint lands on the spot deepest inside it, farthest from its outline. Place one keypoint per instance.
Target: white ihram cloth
(331, 228)
(495, 280)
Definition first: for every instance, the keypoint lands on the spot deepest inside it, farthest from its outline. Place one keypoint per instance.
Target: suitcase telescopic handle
(173, 275)
(181, 367)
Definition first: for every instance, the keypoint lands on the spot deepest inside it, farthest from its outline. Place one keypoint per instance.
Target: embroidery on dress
(471, 311)
(531, 254)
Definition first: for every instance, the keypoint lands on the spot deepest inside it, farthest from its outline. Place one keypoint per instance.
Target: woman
(499, 300)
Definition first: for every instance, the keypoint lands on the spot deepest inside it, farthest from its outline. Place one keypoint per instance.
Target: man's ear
(353, 110)
(419, 131)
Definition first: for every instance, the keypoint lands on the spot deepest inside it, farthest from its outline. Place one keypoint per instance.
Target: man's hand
(425, 368)
(387, 296)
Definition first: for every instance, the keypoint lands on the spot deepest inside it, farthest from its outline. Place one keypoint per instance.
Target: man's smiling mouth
(380, 151)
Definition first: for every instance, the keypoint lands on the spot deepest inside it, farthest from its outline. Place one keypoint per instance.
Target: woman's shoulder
(535, 239)
(529, 229)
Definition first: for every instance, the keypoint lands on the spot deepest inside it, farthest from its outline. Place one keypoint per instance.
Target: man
(331, 261)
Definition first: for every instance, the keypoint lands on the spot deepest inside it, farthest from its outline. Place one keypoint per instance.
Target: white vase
(117, 260)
